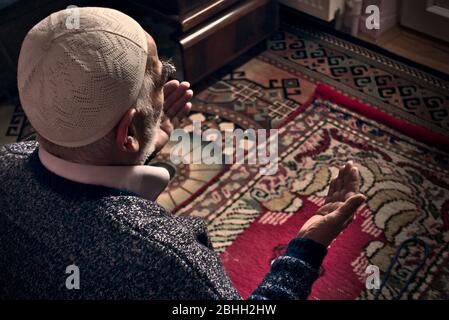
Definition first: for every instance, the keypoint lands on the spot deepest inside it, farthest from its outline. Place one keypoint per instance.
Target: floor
(251, 217)
(414, 46)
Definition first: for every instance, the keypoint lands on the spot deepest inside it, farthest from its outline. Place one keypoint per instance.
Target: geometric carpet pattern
(252, 217)
(393, 86)
(264, 91)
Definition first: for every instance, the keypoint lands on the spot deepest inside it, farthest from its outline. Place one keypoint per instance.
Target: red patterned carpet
(399, 142)
(252, 217)
(265, 90)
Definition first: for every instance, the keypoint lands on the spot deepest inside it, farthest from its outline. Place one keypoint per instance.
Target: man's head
(94, 94)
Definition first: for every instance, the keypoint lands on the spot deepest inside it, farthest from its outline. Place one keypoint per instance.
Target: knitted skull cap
(76, 83)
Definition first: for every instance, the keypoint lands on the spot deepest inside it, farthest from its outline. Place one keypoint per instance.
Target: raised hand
(177, 106)
(345, 185)
(342, 202)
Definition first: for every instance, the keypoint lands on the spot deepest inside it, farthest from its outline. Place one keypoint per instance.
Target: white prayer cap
(76, 80)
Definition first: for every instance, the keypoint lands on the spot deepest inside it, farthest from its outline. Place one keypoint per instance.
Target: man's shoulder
(13, 156)
(151, 220)
(18, 149)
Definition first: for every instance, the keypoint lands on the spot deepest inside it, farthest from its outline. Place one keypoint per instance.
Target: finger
(338, 185)
(175, 122)
(338, 179)
(354, 180)
(332, 194)
(179, 104)
(354, 174)
(184, 111)
(348, 209)
(350, 183)
(346, 171)
(349, 221)
(340, 171)
(327, 208)
(170, 87)
(332, 188)
(177, 94)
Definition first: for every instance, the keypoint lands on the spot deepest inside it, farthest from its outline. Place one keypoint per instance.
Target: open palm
(176, 107)
(341, 204)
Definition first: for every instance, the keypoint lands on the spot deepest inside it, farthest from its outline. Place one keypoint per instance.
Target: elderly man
(78, 218)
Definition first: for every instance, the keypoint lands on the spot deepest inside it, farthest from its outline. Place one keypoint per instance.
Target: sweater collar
(146, 181)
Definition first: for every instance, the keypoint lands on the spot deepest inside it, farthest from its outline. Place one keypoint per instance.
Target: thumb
(170, 87)
(348, 208)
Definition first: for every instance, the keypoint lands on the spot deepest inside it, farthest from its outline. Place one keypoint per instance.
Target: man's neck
(147, 181)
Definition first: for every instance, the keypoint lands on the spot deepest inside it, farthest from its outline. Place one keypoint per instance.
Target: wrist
(307, 250)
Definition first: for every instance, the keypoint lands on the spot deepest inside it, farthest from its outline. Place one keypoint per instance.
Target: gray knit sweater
(125, 247)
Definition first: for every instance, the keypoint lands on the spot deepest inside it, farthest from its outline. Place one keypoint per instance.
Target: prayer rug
(405, 175)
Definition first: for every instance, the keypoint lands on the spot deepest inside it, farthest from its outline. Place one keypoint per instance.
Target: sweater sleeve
(293, 274)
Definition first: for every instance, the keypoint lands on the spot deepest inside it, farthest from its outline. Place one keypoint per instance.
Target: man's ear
(125, 139)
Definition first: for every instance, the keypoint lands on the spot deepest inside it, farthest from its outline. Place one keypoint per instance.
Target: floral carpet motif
(252, 217)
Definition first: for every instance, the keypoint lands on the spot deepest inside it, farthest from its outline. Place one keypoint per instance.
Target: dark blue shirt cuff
(307, 250)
